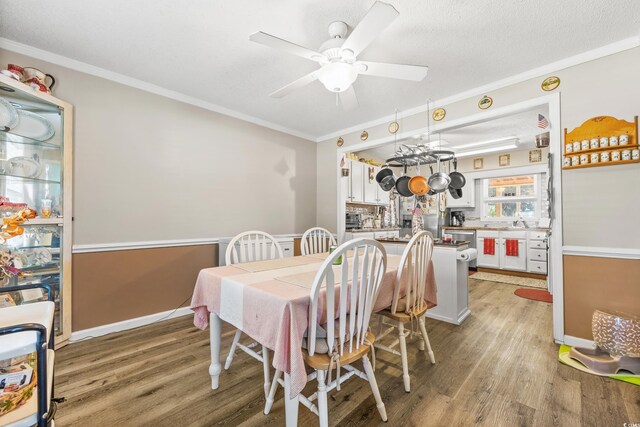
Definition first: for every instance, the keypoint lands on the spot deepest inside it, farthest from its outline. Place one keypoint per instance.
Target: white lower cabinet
(537, 258)
(486, 259)
(499, 259)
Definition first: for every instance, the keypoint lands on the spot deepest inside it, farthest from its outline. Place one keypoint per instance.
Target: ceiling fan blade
(379, 17)
(278, 43)
(301, 82)
(348, 99)
(415, 73)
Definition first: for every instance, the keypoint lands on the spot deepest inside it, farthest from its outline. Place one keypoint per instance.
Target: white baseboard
(128, 324)
(578, 342)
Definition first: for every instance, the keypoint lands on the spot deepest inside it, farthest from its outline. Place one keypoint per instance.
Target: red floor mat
(534, 294)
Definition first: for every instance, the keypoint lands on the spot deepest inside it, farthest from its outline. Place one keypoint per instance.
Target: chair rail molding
(600, 252)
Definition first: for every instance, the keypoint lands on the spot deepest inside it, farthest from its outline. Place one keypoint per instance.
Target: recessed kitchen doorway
(455, 130)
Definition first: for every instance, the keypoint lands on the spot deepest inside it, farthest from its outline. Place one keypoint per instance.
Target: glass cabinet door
(32, 159)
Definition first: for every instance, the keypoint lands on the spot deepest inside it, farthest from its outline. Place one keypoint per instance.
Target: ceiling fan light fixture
(337, 76)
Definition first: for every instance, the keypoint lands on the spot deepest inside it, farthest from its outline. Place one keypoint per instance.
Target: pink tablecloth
(272, 305)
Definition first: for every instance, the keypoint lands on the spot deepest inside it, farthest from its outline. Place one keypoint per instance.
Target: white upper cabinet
(369, 183)
(357, 182)
(468, 199)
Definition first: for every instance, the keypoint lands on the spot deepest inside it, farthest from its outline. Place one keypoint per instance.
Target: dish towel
(512, 247)
(489, 246)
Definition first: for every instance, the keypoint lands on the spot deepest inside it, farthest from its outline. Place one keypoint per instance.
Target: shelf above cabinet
(23, 178)
(6, 136)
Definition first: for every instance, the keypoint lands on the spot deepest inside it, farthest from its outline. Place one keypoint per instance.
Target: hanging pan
(457, 179)
(385, 178)
(439, 181)
(402, 185)
(418, 184)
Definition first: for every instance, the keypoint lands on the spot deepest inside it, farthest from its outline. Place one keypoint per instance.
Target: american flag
(543, 123)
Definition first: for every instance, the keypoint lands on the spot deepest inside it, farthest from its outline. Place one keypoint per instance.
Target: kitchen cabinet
(488, 260)
(500, 260)
(36, 153)
(515, 263)
(537, 252)
(369, 183)
(468, 199)
(362, 186)
(356, 178)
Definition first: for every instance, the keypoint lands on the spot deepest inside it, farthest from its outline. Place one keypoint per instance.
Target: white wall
(593, 198)
(151, 168)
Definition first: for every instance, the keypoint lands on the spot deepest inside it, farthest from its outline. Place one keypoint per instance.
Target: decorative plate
(8, 115)
(394, 127)
(340, 142)
(439, 114)
(364, 135)
(34, 126)
(550, 83)
(485, 102)
(27, 167)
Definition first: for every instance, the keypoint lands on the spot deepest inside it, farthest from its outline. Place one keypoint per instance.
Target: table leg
(290, 405)
(215, 330)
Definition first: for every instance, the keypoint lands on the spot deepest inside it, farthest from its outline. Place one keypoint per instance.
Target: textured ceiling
(201, 48)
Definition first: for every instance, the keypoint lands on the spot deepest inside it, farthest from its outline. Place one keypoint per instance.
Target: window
(511, 197)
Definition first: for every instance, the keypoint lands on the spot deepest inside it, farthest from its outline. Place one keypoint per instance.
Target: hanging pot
(386, 179)
(457, 179)
(439, 181)
(456, 193)
(383, 173)
(402, 185)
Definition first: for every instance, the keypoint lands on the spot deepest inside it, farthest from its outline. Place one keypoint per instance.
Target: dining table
(269, 301)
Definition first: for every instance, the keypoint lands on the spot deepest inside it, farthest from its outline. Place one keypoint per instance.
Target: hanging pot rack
(418, 155)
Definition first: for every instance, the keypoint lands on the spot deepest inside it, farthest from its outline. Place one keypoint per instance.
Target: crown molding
(83, 67)
(591, 55)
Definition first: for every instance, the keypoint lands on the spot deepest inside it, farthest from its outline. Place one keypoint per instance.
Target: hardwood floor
(498, 369)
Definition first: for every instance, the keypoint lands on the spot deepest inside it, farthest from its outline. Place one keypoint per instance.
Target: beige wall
(151, 168)
(607, 86)
(600, 205)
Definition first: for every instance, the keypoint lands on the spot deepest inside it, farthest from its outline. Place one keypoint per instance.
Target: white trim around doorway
(552, 101)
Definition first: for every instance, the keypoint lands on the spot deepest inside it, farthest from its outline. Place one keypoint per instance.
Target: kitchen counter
(465, 227)
(452, 244)
(372, 230)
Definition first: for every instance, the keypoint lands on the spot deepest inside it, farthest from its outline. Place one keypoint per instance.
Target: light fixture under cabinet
(486, 150)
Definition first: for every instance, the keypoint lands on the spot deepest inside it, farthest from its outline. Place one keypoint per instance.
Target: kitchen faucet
(524, 224)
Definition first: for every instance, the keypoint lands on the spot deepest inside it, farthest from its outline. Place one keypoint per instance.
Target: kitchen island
(451, 265)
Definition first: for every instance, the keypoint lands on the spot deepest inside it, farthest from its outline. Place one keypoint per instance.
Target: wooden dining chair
(409, 300)
(341, 336)
(316, 240)
(247, 247)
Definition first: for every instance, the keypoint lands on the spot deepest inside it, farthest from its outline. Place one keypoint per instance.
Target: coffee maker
(456, 218)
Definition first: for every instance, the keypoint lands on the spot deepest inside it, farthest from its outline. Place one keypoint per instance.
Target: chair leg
(267, 371)
(423, 329)
(232, 350)
(374, 387)
(323, 409)
(380, 325)
(272, 392)
(403, 354)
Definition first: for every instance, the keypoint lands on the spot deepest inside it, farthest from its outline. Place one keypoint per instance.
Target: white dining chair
(409, 300)
(341, 336)
(247, 247)
(316, 240)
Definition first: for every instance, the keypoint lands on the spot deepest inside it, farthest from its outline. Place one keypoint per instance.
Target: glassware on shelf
(45, 208)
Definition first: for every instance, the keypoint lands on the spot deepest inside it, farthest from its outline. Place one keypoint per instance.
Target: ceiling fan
(337, 56)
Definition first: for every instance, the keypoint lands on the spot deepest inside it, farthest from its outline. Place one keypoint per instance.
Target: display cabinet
(36, 152)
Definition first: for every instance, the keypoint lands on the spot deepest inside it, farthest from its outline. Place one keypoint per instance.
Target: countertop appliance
(469, 236)
(353, 221)
(456, 218)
